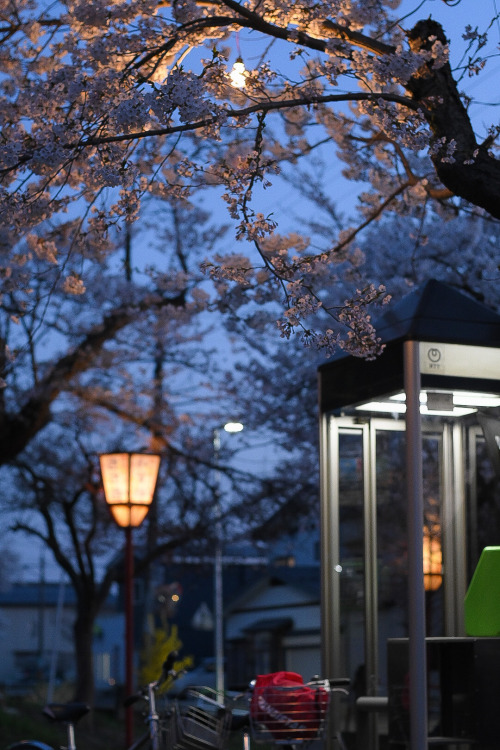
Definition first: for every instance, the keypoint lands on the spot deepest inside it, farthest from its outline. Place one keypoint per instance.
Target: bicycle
(70, 714)
(200, 719)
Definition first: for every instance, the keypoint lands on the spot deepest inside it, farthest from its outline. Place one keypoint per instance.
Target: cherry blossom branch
(264, 107)
(182, 37)
(306, 40)
(439, 194)
(237, 114)
(349, 235)
(359, 40)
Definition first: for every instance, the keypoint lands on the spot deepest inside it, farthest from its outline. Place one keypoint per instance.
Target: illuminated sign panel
(459, 361)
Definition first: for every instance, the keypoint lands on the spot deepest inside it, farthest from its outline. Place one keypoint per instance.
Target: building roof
(47, 594)
(306, 578)
(35, 594)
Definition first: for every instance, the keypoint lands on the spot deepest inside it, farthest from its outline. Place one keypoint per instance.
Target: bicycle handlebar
(167, 671)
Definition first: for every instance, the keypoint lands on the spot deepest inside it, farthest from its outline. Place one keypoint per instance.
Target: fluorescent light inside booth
(435, 403)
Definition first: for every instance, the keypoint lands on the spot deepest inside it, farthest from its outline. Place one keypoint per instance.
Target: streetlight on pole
(231, 427)
(129, 481)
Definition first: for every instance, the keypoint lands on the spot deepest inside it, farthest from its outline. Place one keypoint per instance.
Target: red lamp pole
(129, 634)
(129, 481)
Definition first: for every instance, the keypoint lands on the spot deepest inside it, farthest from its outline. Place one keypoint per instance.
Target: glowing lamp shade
(129, 481)
(433, 561)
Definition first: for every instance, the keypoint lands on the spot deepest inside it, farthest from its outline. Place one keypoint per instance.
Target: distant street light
(129, 481)
(231, 427)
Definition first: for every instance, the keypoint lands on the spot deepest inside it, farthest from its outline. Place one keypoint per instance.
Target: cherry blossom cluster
(362, 339)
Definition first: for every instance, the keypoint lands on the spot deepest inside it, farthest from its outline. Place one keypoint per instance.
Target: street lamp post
(218, 584)
(129, 481)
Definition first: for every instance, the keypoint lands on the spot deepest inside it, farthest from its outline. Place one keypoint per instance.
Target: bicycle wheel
(29, 745)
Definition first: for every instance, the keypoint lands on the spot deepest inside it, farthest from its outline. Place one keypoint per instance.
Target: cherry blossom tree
(108, 102)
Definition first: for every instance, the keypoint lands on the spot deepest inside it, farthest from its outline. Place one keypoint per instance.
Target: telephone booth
(373, 460)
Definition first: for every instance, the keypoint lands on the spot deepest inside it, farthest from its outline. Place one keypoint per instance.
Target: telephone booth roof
(434, 312)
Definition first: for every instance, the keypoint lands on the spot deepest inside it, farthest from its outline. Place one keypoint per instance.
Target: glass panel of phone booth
(352, 556)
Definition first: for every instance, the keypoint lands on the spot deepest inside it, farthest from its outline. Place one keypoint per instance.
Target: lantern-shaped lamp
(433, 560)
(129, 481)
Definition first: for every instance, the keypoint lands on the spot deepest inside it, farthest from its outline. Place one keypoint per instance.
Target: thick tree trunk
(468, 170)
(83, 631)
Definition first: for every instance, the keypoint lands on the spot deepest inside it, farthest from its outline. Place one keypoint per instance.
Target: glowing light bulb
(238, 74)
